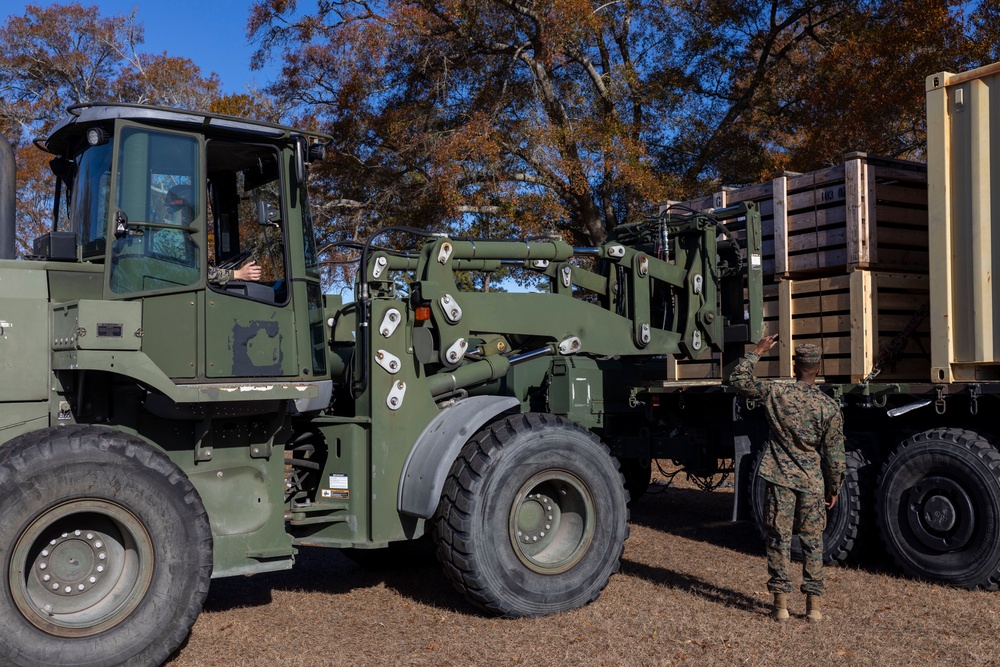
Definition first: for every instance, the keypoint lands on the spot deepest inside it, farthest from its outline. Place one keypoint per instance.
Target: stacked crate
(845, 267)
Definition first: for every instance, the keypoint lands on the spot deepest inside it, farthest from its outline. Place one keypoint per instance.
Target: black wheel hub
(941, 514)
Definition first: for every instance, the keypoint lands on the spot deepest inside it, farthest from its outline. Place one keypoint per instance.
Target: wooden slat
(817, 261)
(807, 221)
(807, 199)
(816, 178)
(903, 237)
(899, 194)
(883, 173)
(825, 284)
(822, 239)
(750, 193)
(898, 215)
(780, 225)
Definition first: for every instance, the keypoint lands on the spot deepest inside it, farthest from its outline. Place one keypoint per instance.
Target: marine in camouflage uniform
(177, 244)
(803, 465)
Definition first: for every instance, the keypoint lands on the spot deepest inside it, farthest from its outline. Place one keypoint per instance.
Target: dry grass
(690, 591)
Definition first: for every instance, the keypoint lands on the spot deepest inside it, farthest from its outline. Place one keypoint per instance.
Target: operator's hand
(766, 343)
(248, 271)
(830, 502)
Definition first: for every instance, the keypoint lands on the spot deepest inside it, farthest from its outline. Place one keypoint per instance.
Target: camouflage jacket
(805, 450)
(219, 276)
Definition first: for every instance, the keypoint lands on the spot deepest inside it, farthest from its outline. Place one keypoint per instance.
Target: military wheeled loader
(159, 429)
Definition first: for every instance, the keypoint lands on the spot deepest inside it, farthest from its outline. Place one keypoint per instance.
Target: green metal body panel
(339, 515)
(171, 328)
(19, 418)
(248, 339)
(23, 334)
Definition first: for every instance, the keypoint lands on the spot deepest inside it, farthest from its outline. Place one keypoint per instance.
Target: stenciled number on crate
(833, 194)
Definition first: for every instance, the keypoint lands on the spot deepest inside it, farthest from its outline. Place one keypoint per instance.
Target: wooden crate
(867, 213)
(709, 367)
(853, 318)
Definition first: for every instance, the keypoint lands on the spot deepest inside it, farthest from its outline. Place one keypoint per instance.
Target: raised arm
(743, 379)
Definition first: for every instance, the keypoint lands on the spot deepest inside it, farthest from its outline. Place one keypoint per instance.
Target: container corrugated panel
(963, 156)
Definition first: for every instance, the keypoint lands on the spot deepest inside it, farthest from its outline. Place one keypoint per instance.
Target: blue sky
(212, 33)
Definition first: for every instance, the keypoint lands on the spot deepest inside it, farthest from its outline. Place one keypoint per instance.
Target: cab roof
(81, 117)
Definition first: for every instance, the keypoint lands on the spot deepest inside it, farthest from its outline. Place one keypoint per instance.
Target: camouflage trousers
(783, 509)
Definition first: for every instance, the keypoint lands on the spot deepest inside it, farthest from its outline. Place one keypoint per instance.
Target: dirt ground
(691, 590)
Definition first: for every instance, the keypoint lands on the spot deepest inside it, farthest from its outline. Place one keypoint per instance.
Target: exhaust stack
(8, 192)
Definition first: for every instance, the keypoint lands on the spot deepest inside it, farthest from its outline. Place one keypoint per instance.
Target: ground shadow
(698, 515)
(417, 576)
(692, 585)
(707, 517)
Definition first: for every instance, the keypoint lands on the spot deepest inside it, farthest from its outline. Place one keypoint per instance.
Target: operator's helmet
(178, 201)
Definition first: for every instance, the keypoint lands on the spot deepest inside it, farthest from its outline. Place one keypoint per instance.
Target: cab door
(249, 324)
(151, 254)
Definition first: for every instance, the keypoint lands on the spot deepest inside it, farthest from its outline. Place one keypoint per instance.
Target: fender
(429, 462)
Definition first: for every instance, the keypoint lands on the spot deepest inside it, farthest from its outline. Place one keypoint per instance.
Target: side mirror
(267, 214)
(121, 224)
(300, 163)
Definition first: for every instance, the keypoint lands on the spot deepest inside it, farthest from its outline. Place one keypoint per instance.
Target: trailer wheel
(533, 517)
(844, 535)
(106, 550)
(938, 508)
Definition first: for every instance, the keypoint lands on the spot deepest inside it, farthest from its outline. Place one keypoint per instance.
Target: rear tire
(938, 508)
(638, 474)
(533, 517)
(106, 550)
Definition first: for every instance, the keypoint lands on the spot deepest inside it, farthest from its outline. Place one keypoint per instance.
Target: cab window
(90, 199)
(159, 197)
(244, 183)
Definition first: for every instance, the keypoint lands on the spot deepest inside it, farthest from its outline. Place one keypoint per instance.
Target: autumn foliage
(522, 117)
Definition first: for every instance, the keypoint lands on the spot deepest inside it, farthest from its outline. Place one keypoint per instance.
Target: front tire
(533, 517)
(106, 550)
(938, 508)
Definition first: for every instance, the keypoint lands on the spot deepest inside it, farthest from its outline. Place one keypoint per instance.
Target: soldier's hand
(248, 272)
(830, 502)
(766, 343)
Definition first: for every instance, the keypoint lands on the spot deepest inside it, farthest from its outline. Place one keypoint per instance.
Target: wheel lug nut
(100, 568)
(98, 544)
(55, 586)
(90, 536)
(46, 577)
(547, 526)
(77, 533)
(68, 589)
(42, 566)
(101, 556)
(542, 534)
(93, 580)
(45, 552)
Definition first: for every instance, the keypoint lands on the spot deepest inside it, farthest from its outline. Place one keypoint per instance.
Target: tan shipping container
(964, 251)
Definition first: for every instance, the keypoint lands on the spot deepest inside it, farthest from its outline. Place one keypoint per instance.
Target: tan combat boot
(780, 607)
(813, 614)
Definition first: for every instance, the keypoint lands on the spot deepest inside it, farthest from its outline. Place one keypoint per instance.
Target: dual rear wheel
(935, 505)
